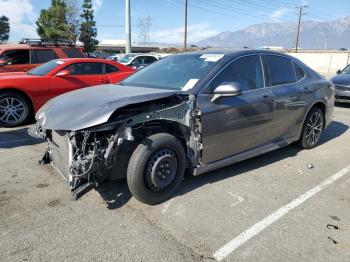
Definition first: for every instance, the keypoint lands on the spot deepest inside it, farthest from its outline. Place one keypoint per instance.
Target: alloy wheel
(314, 128)
(12, 110)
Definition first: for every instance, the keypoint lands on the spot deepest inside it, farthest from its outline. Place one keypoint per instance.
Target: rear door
(82, 75)
(232, 125)
(286, 80)
(41, 56)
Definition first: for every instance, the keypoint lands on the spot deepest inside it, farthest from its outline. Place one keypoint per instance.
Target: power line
(301, 13)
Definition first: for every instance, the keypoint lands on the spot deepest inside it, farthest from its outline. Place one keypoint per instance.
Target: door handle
(103, 81)
(267, 96)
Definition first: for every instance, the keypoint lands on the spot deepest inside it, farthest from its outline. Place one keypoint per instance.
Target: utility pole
(185, 36)
(127, 27)
(301, 13)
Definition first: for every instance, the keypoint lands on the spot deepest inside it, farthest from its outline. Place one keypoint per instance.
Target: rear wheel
(312, 129)
(14, 109)
(156, 168)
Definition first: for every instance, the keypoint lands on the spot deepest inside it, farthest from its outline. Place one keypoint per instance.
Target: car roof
(233, 52)
(86, 59)
(26, 46)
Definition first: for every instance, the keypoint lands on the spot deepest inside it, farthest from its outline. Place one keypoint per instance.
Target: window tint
(16, 57)
(42, 56)
(73, 52)
(45, 68)
(280, 70)
(246, 71)
(85, 69)
(298, 72)
(110, 68)
(138, 61)
(150, 59)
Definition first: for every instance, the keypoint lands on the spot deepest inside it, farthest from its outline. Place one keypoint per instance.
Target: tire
(312, 129)
(156, 168)
(15, 110)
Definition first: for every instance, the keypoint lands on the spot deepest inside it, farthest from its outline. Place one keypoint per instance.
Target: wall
(325, 63)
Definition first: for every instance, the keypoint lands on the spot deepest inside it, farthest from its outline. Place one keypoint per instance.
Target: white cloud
(278, 14)
(21, 15)
(97, 4)
(195, 33)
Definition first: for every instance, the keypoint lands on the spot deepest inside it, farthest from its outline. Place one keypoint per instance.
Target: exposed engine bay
(90, 156)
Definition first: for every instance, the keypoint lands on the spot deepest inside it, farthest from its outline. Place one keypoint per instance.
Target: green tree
(52, 22)
(4, 29)
(88, 31)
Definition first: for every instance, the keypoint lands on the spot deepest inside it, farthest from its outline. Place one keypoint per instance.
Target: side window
(85, 69)
(17, 57)
(72, 53)
(111, 69)
(246, 71)
(150, 59)
(42, 56)
(280, 70)
(299, 72)
(138, 61)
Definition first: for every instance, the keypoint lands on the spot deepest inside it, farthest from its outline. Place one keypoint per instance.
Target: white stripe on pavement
(231, 246)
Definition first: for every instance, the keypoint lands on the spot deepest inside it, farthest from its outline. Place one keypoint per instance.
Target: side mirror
(63, 73)
(227, 89)
(338, 72)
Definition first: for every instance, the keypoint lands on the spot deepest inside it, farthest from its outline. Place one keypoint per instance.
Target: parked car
(342, 85)
(22, 94)
(138, 61)
(31, 53)
(194, 111)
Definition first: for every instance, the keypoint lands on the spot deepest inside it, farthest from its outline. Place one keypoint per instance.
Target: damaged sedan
(192, 112)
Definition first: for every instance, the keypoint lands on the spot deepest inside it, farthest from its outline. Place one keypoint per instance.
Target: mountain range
(313, 35)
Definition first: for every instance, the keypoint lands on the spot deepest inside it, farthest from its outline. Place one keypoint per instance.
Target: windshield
(179, 72)
(44, 69)
(126, 59)
(346, 70)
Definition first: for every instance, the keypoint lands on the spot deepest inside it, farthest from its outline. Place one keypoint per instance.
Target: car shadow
(116, 193)
(16, 138)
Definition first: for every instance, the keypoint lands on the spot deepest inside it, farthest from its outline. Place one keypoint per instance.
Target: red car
(22, 94)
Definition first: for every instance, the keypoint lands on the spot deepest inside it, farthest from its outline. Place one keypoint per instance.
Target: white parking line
(166, 206)
(231, 246)
(15, 141)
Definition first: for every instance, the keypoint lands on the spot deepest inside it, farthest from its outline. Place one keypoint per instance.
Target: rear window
(299, 72)
(73, 52)
(111, 69)
(280, 70)
(42, 56)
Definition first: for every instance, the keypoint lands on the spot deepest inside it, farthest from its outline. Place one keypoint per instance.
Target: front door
(233, 125)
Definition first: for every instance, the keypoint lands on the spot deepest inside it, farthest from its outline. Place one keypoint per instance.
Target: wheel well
(321, 106)
(29, 100)
(176, 129)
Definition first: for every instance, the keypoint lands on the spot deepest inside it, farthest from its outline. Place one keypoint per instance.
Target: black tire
(156, 168)
(312, 129)
(16, 105)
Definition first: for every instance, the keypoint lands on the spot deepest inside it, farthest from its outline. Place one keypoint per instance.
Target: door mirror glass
(227, 89)
(63, 73)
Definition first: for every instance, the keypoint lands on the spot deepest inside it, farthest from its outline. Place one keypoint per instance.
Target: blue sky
(206, 17)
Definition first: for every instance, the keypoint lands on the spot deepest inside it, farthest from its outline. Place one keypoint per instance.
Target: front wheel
(312, 129)
(156, 168)
(14, 109)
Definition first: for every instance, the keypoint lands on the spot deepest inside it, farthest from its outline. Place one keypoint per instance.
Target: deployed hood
(93, 105)
(341, 79)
